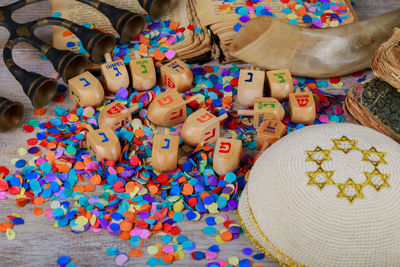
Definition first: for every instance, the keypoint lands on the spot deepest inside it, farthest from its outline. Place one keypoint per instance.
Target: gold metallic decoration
(376, 173)
(311, 155)
(346, 187)
(343, 141)
(23, 31)
(317, 174)
(349, 190)
(371, 152)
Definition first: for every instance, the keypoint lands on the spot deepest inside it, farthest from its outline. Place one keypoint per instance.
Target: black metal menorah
(40, 89)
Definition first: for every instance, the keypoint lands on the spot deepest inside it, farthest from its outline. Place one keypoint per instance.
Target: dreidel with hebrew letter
(280, 84)
(227, 155)
(201, 126)
(116, 115)
(265, 108)
(251, 86)
(165, 152)
(143, 73)
(103, 144)
(168, 108)
(302, 107)
(269, 132)
(115, 74)
(86, 90)
(176, 75)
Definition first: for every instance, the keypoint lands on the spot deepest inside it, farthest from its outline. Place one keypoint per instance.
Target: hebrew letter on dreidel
(103, 143)
(251, 85)
(227, 155)
(165, 152)
(165, 100)
(116, 115)
(115, 74)
(280, 84)
(86, 90)
(204, 118)
(176, 75)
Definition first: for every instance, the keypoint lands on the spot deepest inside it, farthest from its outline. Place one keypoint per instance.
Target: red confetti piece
(28, 128)
(32, 142)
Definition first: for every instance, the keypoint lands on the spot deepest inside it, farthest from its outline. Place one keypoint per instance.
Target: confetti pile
(137, 202)
(7, 226)
(316, 13)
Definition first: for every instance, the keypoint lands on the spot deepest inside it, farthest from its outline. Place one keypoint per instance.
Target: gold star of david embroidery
(325, 154)
(357, 187)
(344, 140)
(314, 175)
(373, 151)
(322, 178)
(383, 177)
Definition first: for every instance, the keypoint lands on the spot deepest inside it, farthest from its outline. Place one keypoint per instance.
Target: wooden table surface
(38, 243)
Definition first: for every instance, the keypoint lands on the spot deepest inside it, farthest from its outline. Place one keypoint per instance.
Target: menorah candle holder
(10, 114)
(40, 89)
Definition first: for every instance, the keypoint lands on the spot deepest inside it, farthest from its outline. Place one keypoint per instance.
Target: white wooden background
(38, 243)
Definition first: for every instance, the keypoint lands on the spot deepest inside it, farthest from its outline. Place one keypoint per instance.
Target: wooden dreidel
(116, 115)
(201, 126)
(280, 84)
(265, 108)
(103, 144)
(115, 74)
(251, 85)
(86, 90)
(176, 75)
(168, 108)
(165, 152)
(227, 155)
(269, 132)
(143, 73)
(302, 107)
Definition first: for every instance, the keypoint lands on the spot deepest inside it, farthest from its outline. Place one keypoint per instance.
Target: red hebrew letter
(211, 135)
(302, 100)
(165, 100)
(204, 118)
(176, 114)
(169, 82)
(225, 147)
(117, 108)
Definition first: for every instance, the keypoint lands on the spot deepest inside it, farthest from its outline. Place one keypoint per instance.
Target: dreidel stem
(108, 58)
(166, 132)
(195, 97)
(248, 113)
(133, 108)
(136, 54)
(222, 117)
(89, 128)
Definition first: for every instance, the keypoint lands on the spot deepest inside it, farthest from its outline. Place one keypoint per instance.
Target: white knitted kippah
(326, 195)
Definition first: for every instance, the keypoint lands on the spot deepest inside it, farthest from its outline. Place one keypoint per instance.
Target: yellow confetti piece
(13, 161)
(73, 118)
(178, 206)
(180, 254)
(93, 220)
(22, 151)
(55, 204)
(219, 239)
(334, 23)
(233, 260)
(152, 250)
(292, 16)
(338, 85)
(219, 219)
(82, 220)
(10, 234)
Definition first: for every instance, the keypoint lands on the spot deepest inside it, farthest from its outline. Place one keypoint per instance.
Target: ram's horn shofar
(320, 53)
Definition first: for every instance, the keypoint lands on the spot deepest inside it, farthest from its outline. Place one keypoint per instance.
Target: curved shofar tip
(320, 53)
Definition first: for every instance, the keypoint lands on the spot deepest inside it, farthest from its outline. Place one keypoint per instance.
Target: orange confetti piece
(37, 211)
(39, 111)
(130, 187)
(22, 202)
(89, 188)
(126, 225)
(79, 188)
(134, 253)
(5, 225)
(140, 133)
(226, 236)
(95, 179)
(187, 189)
(173, 25)
(159, 56)
(143, 49)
